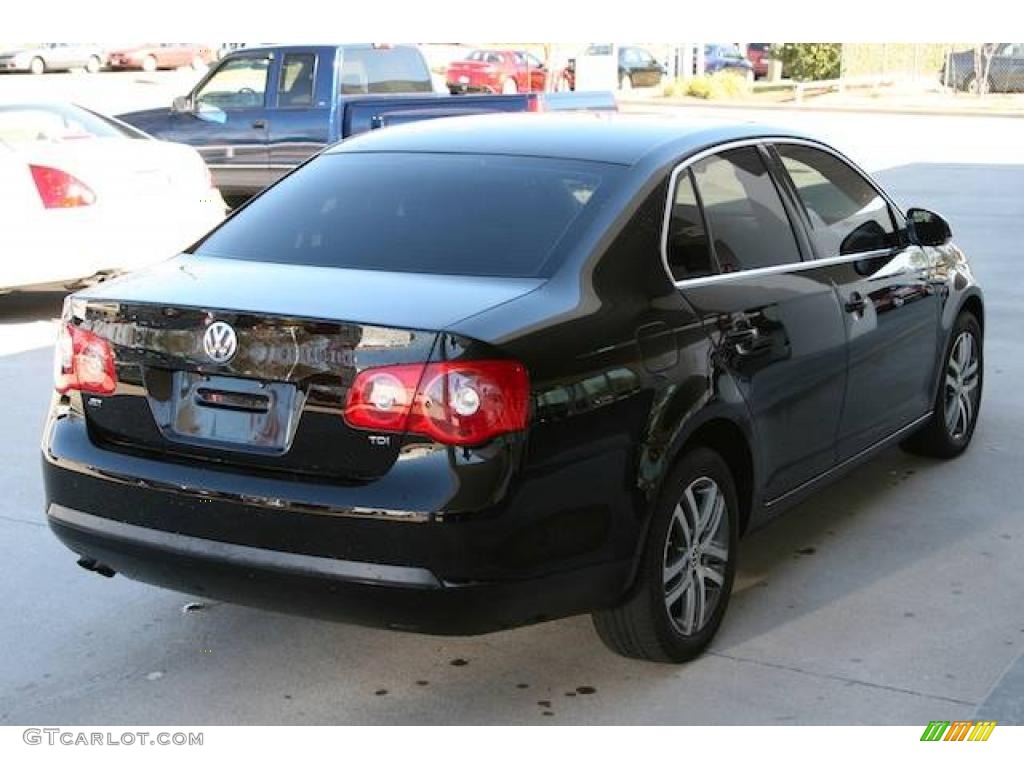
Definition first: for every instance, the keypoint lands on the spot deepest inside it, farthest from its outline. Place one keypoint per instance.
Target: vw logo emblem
(220, 342)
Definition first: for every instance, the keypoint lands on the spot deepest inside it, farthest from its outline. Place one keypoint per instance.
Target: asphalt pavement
(896, 596)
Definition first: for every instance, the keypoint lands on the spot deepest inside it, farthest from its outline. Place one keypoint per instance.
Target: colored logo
(958, 730)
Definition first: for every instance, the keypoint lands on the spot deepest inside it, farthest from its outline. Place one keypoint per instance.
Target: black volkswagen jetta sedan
(480, 372)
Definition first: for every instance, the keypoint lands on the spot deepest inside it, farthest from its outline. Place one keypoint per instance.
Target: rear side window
(384, 70)
(747, 222)
(295, 88)
(686, 247)
(419, 212)
(847, 214)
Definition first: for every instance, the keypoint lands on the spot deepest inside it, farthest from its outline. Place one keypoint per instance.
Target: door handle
(855, 303)
(259, 124)
(746, 340)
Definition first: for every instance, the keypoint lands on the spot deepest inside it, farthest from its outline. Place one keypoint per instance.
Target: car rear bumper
(410, 571)
(393, 597)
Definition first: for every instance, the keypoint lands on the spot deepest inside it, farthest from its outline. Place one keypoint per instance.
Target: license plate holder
(244, 414)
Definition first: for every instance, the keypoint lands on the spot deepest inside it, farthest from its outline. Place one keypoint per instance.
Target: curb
(824, 108)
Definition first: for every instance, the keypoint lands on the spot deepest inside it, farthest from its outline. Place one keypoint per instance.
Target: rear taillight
(58, 189)
(83, 362)
(455, 403)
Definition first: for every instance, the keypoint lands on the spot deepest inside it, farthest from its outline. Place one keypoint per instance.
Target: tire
(93, 65)
(508, 85)
(198, 65)
(955, 411)
(971, 80)
(660, 618)
(149, 64)
(625, 83)
(37, 66)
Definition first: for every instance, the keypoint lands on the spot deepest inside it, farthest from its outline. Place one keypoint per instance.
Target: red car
(153, 56)
(757, 54)
(496, 71)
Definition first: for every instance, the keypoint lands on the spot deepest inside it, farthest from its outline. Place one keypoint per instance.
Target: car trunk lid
(249, 364)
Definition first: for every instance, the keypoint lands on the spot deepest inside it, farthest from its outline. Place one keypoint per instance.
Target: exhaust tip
(96, 567)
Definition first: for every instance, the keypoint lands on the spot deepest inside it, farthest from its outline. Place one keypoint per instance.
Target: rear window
(384, 70)
(486, 215)
(55, 122)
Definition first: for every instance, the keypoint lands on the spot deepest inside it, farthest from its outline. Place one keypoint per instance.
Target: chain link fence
(981, 68)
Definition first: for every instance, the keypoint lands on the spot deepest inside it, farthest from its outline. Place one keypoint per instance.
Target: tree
(809, 61)
(983, 53)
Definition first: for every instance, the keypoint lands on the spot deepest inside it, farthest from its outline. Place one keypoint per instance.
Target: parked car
(53, 57)
(637, 66)
(757, 55)
(1005, 73)
(153, 56)
(721, 57)
(87, 195)
(261, 111)
(497, 71)
(493, 370)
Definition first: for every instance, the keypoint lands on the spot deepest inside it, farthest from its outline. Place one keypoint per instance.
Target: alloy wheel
(961, 386)
(696, 554)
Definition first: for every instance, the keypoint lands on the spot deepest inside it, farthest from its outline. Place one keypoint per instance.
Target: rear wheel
(92, 66)
(198, 64)
(509, 86)
(971, 84)
(955, 411)
(37, 66)
(149, 64)
(687, 568)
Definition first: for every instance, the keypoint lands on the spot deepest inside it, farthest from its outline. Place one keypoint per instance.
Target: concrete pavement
(894, 597)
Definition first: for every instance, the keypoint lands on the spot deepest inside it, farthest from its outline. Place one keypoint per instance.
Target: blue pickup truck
(261, 111)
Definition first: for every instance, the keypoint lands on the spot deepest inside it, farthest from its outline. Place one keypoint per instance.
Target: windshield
(418, 212)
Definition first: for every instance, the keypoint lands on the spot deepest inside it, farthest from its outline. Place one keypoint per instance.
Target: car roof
(607, 137)
(278, 47)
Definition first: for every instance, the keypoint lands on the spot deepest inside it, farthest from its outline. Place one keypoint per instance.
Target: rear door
(886, 288)
(772, 315)
(299, 117)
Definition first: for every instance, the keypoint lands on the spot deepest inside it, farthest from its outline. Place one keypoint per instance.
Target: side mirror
(181, 104)
(927, 227)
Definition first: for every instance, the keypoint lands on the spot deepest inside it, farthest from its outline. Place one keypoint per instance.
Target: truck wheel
(509, 86)
(37, 66)
(93, 65)
(149, 64)
(687, 567)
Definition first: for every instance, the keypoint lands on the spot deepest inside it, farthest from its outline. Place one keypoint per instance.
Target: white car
(84, 195)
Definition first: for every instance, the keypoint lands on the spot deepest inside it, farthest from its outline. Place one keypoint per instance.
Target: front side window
(748, 224)
(847, 214)
(238, 84)
(296, 86)
(686, 246)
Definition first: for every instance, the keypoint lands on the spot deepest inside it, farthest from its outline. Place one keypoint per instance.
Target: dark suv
(487, 371)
